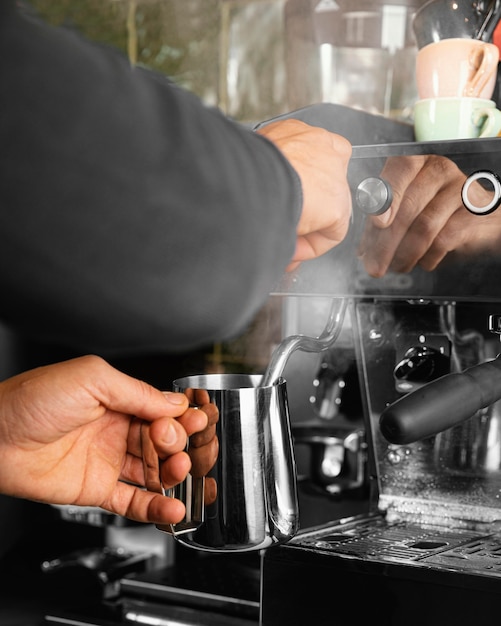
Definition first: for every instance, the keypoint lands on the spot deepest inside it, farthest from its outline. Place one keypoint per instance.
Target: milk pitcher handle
(190, 491)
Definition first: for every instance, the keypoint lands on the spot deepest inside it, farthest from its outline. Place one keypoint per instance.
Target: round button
(491, 183)
(374, 196)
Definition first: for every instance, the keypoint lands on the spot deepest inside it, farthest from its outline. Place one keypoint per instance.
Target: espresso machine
(425, 546)
(428, 550)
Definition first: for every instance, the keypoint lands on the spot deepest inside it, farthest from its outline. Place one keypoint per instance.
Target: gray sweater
(132, 217)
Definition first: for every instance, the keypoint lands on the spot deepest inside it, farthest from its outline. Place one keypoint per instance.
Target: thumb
(125, 394)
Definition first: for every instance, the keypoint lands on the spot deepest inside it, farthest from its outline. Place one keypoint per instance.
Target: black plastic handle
(445, 402)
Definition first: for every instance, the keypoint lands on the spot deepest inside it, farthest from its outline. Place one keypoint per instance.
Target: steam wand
(489, 24)
(290, 344)
(445, 402)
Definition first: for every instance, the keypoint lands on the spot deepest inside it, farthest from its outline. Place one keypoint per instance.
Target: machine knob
(421, 364)
(495, 324)
(374, 196)
(489, 181)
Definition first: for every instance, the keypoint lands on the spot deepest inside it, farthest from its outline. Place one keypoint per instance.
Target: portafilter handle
(441, 404)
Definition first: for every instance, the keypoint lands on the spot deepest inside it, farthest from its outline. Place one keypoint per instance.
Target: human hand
(320, 158)
(204, 445)
(70, 434)
(203, 449)
(427, 219)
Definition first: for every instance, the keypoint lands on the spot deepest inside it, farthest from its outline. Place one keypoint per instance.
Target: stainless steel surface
(390, 144)
(256, 503)
(430, 546)
(445, 479)
(337, 458)
(375, 539)
(373, 196)
(435, 506)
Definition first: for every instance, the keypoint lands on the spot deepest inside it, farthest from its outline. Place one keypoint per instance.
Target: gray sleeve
(132, 217)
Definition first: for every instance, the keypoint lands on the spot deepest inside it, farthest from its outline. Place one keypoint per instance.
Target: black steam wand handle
(445, 402)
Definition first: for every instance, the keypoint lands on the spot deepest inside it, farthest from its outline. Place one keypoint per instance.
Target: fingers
(320, 159)
(152, 508)
(204, 458)
(203, 436)
(166, 439)
(399, 172)
(144, 506)
(122, 393)
(326, 212)
(210, 491)
(421, 226)
(166, 436)
(314, 245)
(402, 245)
(383, 234)
(204, 445)
(174, 469)
(197, 397)
(194, 420)
(169, 439)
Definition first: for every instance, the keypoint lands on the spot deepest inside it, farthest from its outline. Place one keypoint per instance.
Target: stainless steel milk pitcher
(254, 498)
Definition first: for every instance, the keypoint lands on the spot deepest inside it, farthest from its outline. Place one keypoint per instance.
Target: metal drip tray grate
(403, 542)
(483, 554)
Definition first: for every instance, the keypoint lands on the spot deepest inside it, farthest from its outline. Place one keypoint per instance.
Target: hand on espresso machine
(427, 219)
(320, 159)
(70, 434)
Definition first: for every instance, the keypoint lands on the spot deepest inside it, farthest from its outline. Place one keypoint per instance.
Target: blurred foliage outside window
(256, 59)
(229, 52)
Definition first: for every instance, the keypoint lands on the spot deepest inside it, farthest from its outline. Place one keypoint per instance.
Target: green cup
(455, 118)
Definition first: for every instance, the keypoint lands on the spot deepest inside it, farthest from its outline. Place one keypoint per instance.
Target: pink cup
(457, 68)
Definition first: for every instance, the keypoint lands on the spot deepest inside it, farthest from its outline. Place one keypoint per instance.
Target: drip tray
(410, 543)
